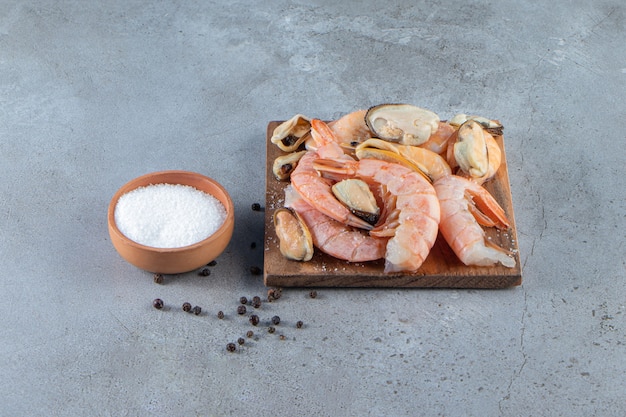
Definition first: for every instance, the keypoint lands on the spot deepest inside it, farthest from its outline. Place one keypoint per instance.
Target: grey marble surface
(93, 94)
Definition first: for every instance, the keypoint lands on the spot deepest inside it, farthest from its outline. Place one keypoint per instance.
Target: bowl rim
(130, 186)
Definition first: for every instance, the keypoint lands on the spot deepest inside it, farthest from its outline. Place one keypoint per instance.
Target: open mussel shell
(285, 164)
(402, 123)
(357, 196)
(289, 135)
(296, 242)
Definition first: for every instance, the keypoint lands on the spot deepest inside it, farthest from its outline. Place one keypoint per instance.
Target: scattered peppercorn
(282, 337)
(256, 301)
(255, 270)
(313, 294)
(157, 303)
(205, 272)
(254, 319)
(271, 329)
(252, 245)
(212, 263)
(243, 300)
(249, 333)
(275, 320)
(220, 314)
(241, 341)
(197, 310)
(256, 207)
(158, 278)
(299, 324)
(241, 310)
(231, 347)
(186, 307)
(274, 294)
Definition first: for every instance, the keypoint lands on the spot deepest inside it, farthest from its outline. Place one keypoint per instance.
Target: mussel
(470, 149)
(296, 242)
(402, 123)
(494, 127)
(285, 164)
(357, 196)
(289, 135)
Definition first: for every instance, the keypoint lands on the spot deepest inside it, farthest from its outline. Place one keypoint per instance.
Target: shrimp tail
(333, 168)
(485, 208)
(486, 253)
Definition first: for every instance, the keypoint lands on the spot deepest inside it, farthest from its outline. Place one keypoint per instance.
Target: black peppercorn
(271, 329)
(313, 294)
(254, 319)
(282, 337)
(299, 324)
(220, 314)
(158, 278)
(241, 341)
(212, 263)
(256, 207)
(275, 320)
(197, 310)
(249, 333)
(231, 347)
(243, 300)
(205, 272)
(274, 294)
(255, 270)
(252, 245)
(241, 310)
(157, 303)
(186, 307)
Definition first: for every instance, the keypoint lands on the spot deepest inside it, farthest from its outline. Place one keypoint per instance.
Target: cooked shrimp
(351, 128)
(465, 206)
(412, 214)
(438, 141)
(419, 159)
(335, 238)
(316, 190)
(347, 131)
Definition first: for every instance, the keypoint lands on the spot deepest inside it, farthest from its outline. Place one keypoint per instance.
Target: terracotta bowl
(173, 260)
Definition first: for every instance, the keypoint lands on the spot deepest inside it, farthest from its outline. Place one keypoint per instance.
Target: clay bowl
(173, 260)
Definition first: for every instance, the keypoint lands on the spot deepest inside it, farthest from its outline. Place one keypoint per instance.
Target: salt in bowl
(180, 259)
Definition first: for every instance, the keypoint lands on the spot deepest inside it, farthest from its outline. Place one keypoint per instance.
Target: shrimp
(316, 190)
(412, 211)
(439, 140)
(465, 206)
(347, 131)
(351, 128)
(335, 238)
(419, 159)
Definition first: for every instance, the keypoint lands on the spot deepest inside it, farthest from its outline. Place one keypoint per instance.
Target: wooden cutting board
(442, 269)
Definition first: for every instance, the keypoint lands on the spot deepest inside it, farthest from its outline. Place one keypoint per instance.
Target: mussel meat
(470, 149)
(357, 196)
(285, 164)
(403, 123)
(296, 242)
(493, 127)
(289, 135)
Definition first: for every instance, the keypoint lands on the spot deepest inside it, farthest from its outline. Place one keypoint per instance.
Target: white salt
(168, 215)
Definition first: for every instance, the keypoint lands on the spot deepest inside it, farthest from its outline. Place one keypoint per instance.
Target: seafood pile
(382, 183)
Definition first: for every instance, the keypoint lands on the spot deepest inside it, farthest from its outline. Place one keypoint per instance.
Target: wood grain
(442, 269)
